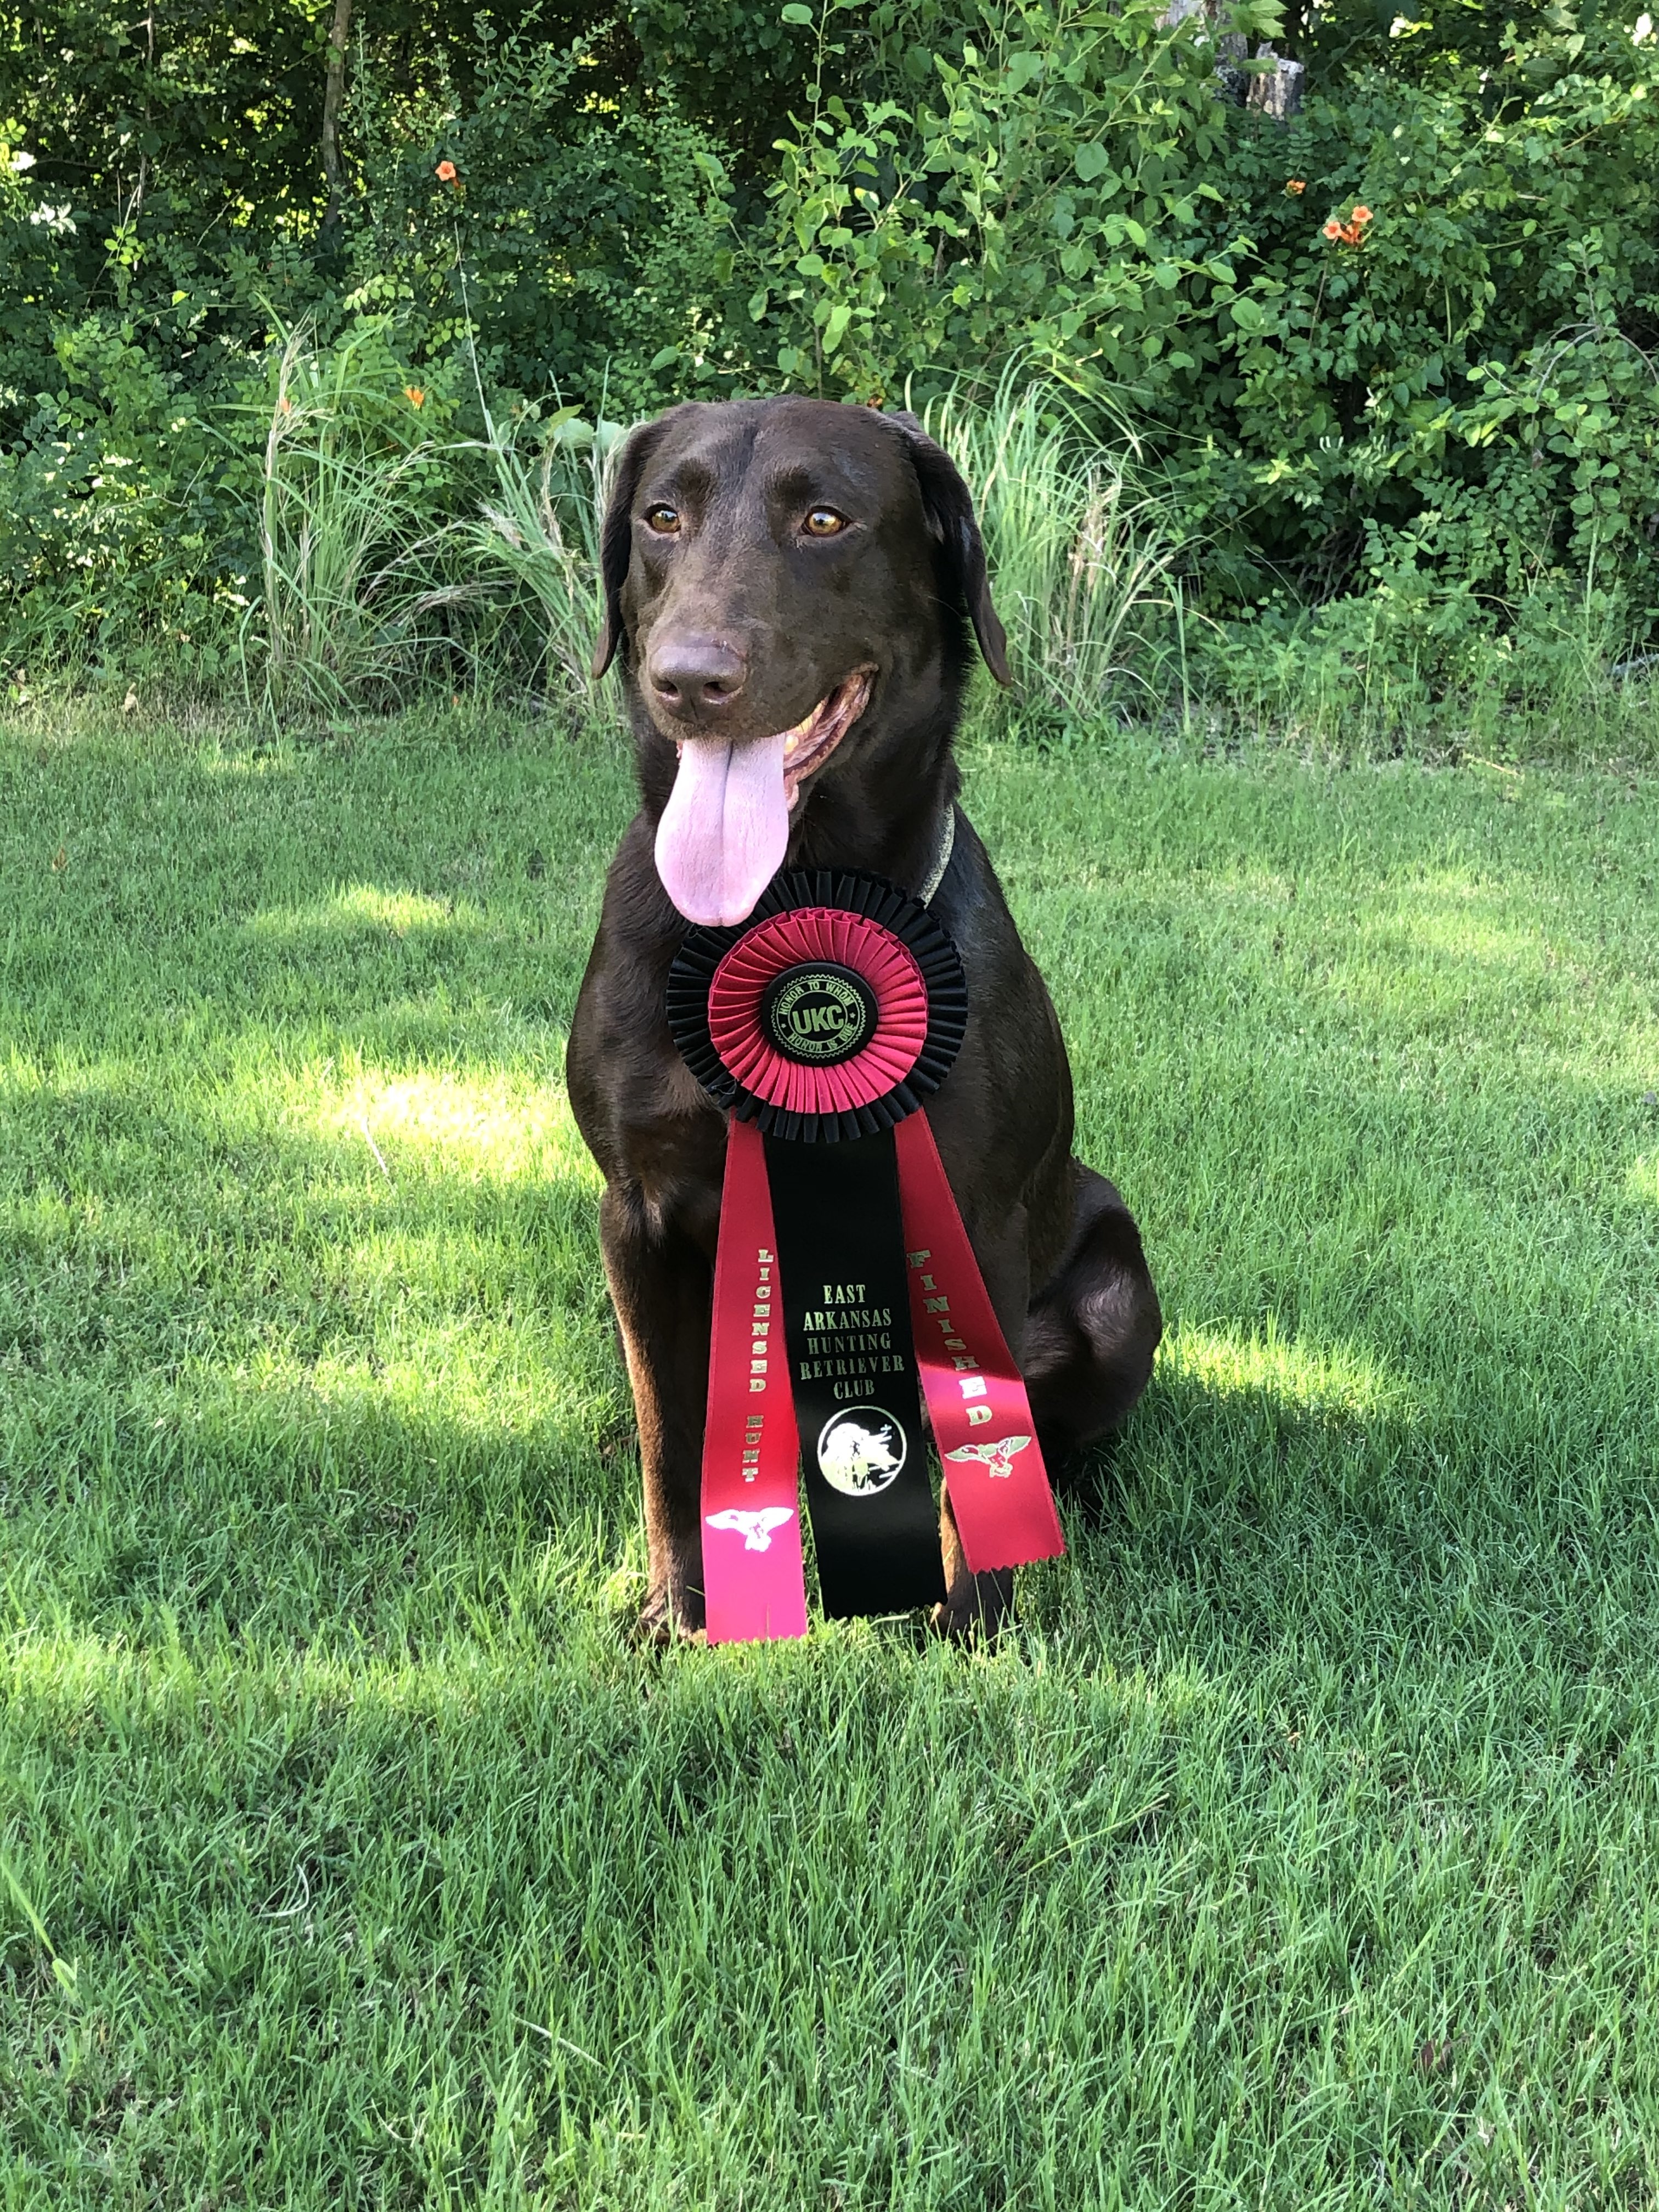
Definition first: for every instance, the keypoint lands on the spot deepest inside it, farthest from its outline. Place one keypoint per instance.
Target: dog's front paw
(976, 1606)
(672, 1615)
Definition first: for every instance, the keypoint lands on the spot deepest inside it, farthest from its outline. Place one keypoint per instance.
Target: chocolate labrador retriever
(789, 584)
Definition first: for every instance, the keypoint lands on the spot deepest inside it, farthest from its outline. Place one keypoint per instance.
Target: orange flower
(415, 395)
(445, 173)
(286, 404)
(1296, 186)
(1352, 233)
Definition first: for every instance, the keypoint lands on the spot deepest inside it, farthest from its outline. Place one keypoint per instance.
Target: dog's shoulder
(971, 904)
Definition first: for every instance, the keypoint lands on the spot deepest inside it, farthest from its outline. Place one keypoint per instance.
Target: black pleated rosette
(936, 1030)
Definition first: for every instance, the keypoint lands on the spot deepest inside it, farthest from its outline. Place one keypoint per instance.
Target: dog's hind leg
(662, 1286)
(1093, 1326)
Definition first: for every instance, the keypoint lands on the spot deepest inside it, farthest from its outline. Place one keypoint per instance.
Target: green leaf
(794, 13)
(1247, 314)
(1089, 160)
(835, 329)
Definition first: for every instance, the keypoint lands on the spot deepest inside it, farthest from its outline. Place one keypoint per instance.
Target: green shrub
(586, 248)
(1029, 184)
(1458, 389)
(1417, 449)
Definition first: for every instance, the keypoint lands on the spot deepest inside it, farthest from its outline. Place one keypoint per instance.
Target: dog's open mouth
(810, 744)
(725, 828)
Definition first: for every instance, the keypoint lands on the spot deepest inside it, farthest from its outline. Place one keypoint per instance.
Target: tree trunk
(149, 83)
(333, 99)
(1275, 92)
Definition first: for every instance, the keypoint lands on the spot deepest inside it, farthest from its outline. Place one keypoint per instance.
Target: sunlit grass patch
(1461, 924)
(363, 906)
(502, 1126)
(464, 1379)
(1328, 1379)
(82, 1678)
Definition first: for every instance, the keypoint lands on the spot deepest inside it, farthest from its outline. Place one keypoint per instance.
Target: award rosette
(846, 1289)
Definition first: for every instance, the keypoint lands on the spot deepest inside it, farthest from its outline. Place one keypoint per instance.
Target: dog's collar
(947, 845)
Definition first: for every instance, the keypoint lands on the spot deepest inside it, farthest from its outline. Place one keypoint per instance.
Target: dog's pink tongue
(723, 832)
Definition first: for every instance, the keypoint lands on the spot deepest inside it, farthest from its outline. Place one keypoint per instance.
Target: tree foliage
(1452, 403)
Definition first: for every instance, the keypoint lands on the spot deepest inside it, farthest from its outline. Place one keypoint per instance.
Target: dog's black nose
(695, 677)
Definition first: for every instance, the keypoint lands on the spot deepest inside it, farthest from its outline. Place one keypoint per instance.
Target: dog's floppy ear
(949, 506)
(616, 538)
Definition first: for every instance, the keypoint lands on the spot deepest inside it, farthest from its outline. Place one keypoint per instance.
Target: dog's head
(788, 581)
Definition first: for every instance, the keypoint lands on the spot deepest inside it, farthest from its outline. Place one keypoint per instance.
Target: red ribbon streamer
(753, 1579)
(754, 1583)
(976, 1402)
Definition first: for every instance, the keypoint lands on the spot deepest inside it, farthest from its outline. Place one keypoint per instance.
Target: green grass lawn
(1300, 1848)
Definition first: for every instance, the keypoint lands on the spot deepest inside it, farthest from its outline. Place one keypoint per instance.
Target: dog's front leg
(662, 1286)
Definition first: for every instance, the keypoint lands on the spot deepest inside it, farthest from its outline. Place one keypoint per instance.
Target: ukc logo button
(819, 1014)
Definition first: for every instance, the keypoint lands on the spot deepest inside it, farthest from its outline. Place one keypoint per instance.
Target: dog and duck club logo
(820, 1015)
(861, 1451)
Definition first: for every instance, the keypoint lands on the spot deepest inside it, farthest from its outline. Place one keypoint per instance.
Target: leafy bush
(1454, 395)
(1028, 183)
(1416, 447)
(586, 248)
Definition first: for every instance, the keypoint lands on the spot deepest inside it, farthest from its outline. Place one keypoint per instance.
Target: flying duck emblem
(754, 1529)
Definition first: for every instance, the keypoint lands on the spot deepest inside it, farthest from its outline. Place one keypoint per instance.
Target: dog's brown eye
(824, 522)
(665, 520)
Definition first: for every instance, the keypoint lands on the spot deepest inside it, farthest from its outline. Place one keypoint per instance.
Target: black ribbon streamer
(852, 1369)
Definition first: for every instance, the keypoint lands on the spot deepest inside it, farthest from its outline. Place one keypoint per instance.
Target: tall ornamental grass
(387, 557)
(1082, 547)
(535, 539)
(349, 505)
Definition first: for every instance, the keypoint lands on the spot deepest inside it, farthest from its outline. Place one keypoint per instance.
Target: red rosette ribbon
(904, 977)
(828, 1018)
(819, 941)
